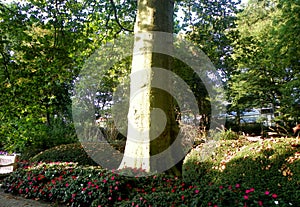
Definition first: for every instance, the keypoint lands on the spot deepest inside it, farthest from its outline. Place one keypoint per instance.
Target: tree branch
(116, 17)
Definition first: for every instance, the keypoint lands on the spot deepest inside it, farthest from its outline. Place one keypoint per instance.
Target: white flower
(276, 202)
(290, 204)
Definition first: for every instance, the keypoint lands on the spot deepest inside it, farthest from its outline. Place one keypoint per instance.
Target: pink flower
(110, 198)
(182, 197)
(221, 187)
(246, 197)
(113, 177)
(260, 203)
(104, 181)
(252, 189)
(267, 193)
(67, 184)
(247, 191)
(237, 185)
(197, 191)
(274, 195)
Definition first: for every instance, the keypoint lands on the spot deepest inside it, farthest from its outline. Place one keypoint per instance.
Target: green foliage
(42, 50)
(73, 185)
(65, 153)
(267, 58)
(224, 134)
(271, 165)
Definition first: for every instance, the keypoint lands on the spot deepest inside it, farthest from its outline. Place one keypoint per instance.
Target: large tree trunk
(145, 137)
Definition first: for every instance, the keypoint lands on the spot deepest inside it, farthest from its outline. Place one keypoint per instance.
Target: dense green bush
(225, 134)
(65, 153)
(266, 165)
(29, 136)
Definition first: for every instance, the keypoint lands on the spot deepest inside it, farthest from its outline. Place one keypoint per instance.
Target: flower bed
(92, 186)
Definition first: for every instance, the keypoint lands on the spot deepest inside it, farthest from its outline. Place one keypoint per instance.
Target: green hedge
(65, 153)
(271, 164)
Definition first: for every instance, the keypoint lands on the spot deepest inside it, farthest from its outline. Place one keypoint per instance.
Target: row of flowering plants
(74, 185)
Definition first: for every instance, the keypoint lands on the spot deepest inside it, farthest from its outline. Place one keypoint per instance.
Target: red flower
(182, 197)
(260, 203)
(274, 195)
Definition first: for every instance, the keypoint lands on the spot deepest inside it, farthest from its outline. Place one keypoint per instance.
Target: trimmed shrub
(272, 165)
(65, 153)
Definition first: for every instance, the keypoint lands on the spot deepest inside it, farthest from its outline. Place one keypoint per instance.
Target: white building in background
(256, 115)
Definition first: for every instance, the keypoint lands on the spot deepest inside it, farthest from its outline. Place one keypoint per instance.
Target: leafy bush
(29, 135)
(224, 134)
(272, 165)
(65, 153)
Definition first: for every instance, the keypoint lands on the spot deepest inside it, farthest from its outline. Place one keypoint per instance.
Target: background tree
(267, 72)
(43, 47)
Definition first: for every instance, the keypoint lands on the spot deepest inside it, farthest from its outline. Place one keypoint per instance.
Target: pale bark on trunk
(144, 137)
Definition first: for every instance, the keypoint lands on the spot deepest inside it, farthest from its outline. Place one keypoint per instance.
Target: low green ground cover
(237, 173)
